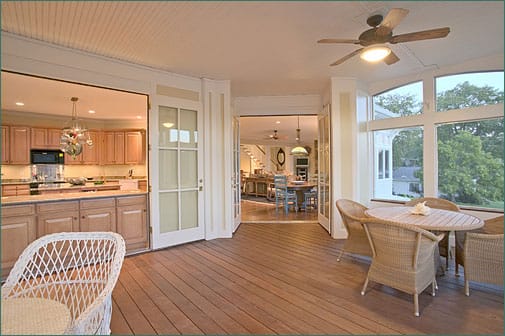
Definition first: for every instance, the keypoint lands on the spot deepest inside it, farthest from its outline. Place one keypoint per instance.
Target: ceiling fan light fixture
(375, 53)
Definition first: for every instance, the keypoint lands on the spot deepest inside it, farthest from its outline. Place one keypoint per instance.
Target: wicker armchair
(353, 215)
(483, 259)
(77, 269)
(438, 203)
(402, 257)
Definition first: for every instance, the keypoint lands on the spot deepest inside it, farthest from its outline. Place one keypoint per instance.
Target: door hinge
(150, 229)
(150, 189)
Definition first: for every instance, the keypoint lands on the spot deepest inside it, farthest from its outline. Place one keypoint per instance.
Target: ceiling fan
(276, 136)
(382, 32)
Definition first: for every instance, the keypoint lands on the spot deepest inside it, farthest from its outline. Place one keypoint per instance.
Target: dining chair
(492, 226)
(402, 257)
(353, 214)
(77, 269)
(438, 203)
(483, 259)
(283, 196)
(310, 200)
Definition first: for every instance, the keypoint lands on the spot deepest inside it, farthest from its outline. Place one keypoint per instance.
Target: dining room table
(300, 187)
(34, 316)
(435, 220)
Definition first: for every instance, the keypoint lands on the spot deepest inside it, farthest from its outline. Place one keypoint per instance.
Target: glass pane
(167, 126)
(189, 174)
(470, 163)
(188, 128)
(469, 90)
(189, 209)
(405, 146)
(168, 169)
(402, 101)
(169, 214)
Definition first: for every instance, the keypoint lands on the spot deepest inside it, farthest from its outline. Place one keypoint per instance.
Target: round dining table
(436, 220)
(300, 187)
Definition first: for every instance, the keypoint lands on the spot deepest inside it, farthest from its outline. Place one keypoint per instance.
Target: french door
(324, 169)
(236, 173)
(177, 215)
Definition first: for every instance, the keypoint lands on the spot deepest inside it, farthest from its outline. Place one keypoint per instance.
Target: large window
(461, 153)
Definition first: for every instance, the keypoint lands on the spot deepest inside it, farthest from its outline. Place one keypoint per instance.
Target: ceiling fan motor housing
(370, 37)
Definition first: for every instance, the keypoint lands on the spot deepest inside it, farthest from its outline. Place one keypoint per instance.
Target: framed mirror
(281, 156)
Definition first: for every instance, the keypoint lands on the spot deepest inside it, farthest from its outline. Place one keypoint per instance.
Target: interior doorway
(266, 143)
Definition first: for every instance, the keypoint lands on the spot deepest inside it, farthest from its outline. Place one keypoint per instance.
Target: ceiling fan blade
(392, 19)
(338, 41)
(391, 58)
(345, 58)
(421, 35)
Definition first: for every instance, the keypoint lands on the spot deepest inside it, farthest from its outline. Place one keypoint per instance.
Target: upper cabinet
(45, 138)
(5, 144)
(114, 145)
(123, 147)
(134, 147)
(90, 154)
(19, 145)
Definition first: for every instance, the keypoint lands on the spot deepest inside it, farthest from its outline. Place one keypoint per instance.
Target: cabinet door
(5, 144)
(90, 154)
(17, 233)
(55, 222)
(19, 145)
(134, 147)
(69, 160)
(132, 225)
(119, 147)
(114, 147)
(98, 220)
(38, 138)
(53, 138)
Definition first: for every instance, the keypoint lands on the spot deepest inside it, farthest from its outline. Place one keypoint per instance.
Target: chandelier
(299, 150)
(75, 134)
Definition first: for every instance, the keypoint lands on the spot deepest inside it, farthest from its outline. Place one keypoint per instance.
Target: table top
(35, 316)
(439, 220)
(305, 185)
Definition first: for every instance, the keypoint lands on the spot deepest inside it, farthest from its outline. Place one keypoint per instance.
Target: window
(469, 90)
(470, 163)
(402, 150)
(399, 102)
(462, 151)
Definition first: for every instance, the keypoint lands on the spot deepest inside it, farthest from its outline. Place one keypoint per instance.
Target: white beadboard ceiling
(264, 48)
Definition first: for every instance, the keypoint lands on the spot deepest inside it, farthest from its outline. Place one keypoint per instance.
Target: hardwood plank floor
(284, 279)
(258, 212)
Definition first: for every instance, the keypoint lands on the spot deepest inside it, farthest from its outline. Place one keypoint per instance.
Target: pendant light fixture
(299, 150)
(75, 134)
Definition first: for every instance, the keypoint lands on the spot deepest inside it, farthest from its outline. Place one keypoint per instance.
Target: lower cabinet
(98, 215)
(132, 222)
(54, 217)
(18, 231)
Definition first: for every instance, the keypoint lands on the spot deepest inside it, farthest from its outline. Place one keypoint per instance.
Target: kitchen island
(28, 217)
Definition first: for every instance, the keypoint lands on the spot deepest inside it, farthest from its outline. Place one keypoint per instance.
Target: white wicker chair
(78, 269)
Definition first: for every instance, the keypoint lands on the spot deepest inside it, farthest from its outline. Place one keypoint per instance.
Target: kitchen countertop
(107, 179)
(29, 199)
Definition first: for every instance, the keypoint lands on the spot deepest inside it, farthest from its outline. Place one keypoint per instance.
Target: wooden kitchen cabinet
(98, 215)
(18, 231)
(134, 147)
(132, 221)
(5, 145)
(15, 189)
(45, 138)
(19, 145)
(90, 154)
(113, 148)
(56, 217)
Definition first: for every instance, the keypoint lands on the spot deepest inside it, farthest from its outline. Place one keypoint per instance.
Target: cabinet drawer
(18, 210)
(58, 206)
(129, 200)
(98, 203)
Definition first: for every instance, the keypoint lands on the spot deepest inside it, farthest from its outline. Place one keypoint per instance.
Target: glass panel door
(324, 181)
(236, 183)
(179, 183)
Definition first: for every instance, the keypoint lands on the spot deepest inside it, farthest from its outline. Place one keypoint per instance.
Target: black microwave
(41, 156)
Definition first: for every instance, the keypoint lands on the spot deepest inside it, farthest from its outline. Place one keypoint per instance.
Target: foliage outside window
(470, 163)
(462, 91)
(399, 102)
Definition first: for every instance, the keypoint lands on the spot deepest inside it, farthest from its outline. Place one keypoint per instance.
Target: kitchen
(46, 190)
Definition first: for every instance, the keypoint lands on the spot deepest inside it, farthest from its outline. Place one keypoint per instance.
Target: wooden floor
(266, 212)
(284, 279)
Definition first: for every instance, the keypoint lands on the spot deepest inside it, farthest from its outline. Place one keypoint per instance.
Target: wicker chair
(78, 269)
(402, 257)
(438, 203)
(353, 215)
(483, 259)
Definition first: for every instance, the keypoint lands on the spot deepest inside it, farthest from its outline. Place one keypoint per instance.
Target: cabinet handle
(83, 217)
(75, 218)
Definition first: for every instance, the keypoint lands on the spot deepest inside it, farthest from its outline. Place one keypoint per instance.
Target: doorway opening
(266, 143)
